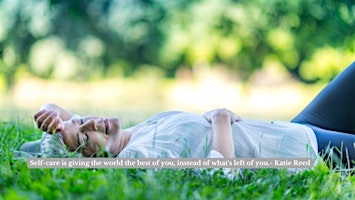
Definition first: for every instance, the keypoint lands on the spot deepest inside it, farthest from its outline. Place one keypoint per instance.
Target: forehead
(70, 125)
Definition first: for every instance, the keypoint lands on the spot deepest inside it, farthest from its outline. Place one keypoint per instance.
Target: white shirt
(178, 134)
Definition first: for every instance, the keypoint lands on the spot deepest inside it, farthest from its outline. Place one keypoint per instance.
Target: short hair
(53, 146)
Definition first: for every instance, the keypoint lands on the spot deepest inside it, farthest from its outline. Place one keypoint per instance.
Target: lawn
(19, 182)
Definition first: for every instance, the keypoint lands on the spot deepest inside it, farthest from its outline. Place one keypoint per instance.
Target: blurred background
(264, 59)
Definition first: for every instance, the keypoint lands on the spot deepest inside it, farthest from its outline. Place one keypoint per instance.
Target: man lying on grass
(325, 125)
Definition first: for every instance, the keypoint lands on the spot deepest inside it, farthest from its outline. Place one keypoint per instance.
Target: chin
(115, 122)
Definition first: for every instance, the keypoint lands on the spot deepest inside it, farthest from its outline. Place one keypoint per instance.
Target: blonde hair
(53, 146)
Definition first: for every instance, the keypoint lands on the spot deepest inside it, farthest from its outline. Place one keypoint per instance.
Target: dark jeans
(331, 115)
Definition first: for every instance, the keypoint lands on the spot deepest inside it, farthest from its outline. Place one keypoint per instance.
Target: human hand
(48, 121)
(213, 114)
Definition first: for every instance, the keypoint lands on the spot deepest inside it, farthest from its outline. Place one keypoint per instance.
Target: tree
(83, 39)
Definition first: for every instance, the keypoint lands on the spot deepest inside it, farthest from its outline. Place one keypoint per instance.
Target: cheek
(90, 149)
(87, 152)
(69, 136)
(94, 146)
(69, 143)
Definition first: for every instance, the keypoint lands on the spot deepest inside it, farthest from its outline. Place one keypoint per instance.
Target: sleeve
(228, 172)
(214, 154)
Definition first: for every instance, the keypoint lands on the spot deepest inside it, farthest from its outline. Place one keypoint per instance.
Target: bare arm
(222, 139)
(61, 112)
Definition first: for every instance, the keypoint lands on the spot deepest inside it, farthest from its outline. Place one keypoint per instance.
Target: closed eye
(78, 138)
(86, 140)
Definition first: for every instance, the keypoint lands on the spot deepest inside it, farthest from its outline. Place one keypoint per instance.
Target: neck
(123, 139)
(126, 137)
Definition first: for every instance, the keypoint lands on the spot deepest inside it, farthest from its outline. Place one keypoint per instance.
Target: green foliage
(19, 182)
(82, 40)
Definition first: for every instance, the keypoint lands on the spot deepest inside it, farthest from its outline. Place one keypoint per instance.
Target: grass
(19, 182)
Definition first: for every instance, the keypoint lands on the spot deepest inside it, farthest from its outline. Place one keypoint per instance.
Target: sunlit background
(262, 59)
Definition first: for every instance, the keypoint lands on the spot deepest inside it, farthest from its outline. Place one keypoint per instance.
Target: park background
(132, 58)
(263, 59)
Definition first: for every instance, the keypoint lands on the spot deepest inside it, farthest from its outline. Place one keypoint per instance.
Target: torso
(177, 134)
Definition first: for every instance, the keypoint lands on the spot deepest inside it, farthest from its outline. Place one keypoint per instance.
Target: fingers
(55, 125)
(47, 120)
(213, 113)
(40, 117)
(232, 115)
(207, 116)
(235, 118)
(38, 114)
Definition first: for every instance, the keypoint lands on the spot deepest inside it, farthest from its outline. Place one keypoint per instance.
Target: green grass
(19, 182)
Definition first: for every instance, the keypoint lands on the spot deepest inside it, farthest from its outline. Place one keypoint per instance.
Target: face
(92, 135)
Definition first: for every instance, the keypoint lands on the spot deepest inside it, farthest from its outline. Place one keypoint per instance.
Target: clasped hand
(48, 121)
(210, 116)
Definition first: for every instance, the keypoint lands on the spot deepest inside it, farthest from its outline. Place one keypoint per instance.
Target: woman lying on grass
(326, 125)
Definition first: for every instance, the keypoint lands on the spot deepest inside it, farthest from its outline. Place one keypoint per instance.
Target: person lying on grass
(218, 133)
(325, 126)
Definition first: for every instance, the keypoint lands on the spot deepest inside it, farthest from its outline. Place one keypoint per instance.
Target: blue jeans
(331, 115)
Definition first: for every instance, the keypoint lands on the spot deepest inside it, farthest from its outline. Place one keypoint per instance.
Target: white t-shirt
(178, 134)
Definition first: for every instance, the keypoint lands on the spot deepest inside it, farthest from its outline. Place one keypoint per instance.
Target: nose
(90, 125)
